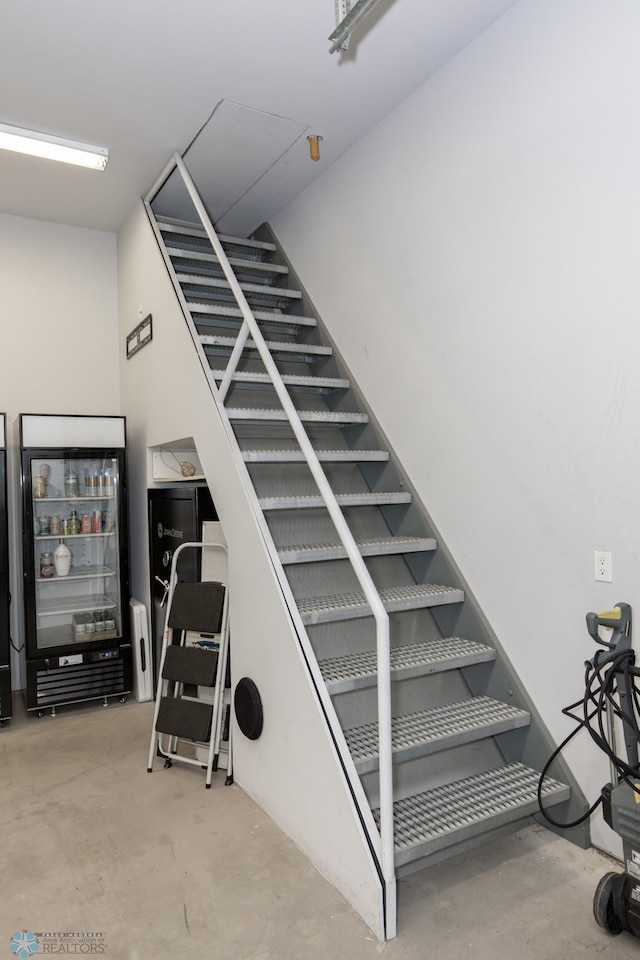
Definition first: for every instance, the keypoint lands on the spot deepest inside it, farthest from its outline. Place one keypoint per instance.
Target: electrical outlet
(603, 569)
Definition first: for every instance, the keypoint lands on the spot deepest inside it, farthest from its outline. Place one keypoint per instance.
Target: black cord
(594, 704)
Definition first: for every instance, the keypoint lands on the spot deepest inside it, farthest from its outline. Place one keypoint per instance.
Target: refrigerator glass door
(76, 550)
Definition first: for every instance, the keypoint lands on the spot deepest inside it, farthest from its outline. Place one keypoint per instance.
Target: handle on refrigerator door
(143, 656)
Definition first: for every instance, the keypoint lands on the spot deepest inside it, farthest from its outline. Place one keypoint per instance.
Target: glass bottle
(62, 559)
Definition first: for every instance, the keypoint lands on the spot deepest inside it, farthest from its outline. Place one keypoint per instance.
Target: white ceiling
(142, 77)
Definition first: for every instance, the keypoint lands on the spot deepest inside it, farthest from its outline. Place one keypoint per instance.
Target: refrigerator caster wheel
(122, 699)
(3, 723)
(228, 782)
(167, 763)
(41, 713)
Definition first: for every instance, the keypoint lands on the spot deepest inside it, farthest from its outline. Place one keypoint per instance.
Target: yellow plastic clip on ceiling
(50, 147)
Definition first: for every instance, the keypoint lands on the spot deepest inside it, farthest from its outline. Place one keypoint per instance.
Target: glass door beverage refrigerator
(5, 666)
(75, 559)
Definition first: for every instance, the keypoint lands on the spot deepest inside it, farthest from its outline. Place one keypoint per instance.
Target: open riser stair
(466, 744)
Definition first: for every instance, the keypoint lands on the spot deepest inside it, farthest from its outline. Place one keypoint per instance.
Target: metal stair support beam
(383, 645)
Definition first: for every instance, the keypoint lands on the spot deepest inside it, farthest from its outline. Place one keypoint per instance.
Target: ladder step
(372, 547)
(307, 416)
(254, 292)
(187, 719)
(348, 606)
(207, 264)
(449, 814)
(208, 312)
(178, 231)
(315, 384)
(302, 352)
(440, 728)
(356, 670)
(344, 500)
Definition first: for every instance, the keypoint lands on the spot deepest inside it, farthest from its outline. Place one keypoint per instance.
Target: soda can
(45, 526)
(87, 523)
(56, 525)
(97, 521)
(107, 521)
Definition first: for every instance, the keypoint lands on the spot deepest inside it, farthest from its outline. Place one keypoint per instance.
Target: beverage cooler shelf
(80, 573)
(89, 496)
(61, 636)
(70, 536)
(68, 605)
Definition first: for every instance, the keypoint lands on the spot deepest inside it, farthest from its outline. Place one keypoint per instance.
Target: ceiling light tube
(52, 148)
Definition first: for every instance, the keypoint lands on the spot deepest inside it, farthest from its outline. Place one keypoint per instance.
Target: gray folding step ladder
(187, 721)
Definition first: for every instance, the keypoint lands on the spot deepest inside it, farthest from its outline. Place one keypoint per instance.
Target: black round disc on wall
(248, 707)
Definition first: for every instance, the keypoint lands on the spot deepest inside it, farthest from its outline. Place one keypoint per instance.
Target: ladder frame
(171, 751)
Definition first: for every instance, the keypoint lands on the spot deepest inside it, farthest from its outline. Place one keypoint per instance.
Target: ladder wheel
(603, 908)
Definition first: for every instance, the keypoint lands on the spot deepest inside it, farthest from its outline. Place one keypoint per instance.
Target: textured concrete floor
(166, 869)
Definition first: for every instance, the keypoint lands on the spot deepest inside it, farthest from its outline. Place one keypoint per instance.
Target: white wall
(475, 259)
(291, 770)
(58, 301)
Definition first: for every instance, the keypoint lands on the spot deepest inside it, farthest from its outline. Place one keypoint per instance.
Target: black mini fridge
(176, 515)
(5, 644)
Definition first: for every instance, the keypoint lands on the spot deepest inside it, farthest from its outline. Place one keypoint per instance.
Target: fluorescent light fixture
(52, 148)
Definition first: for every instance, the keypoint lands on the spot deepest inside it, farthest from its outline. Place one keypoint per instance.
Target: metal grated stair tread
(347, 606)
(319, 384)
(439, 728)
(182, 229)
(325, 456)
(306, 501)
(371, 547)
(304, 352)
(255, 292)
(449, 814)
(355, 670)
(307, 416)
(258, 270)
(262, 316)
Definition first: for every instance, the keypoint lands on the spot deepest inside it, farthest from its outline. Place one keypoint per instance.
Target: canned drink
(45, 526)
(97, 521)
(86, 522)
(56, 525)
(39, 486)
(71, 485)
(107, 521)
(36, 527)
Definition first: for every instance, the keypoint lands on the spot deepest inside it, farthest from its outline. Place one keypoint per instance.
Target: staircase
(464, 741)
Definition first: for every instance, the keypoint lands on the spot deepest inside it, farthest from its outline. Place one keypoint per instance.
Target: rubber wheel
(248, 707)
(603, 909)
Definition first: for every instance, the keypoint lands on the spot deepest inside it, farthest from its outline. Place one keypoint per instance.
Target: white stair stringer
(348, 855)
(308, 570)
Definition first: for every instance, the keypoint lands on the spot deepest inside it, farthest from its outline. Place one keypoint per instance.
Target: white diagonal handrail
(250, 326)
